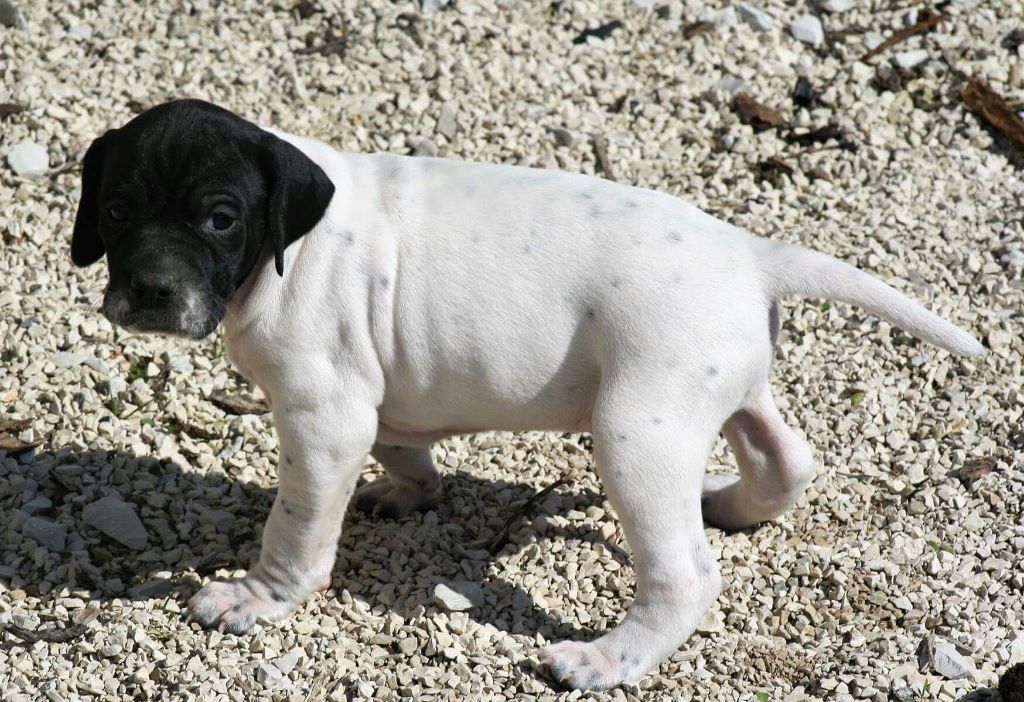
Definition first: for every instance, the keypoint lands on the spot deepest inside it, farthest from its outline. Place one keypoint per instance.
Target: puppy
(384, 302)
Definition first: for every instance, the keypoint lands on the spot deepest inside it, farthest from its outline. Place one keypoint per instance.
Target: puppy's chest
(252, 364)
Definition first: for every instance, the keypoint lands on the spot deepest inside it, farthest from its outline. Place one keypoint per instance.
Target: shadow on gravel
(206, 523)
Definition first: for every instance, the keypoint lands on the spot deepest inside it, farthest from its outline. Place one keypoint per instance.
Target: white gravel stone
(910, 59)
(836, 6)
(951, 664)
(725, 17)
(807, 29)
(269, 676)
(446, 124)
(80, 31)
(180, 364)
(756, 19)
(28, 159)
(458, 596)
(118, 520)
(288, 661)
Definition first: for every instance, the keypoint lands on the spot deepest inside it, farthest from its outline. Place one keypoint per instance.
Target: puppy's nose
(150, 289)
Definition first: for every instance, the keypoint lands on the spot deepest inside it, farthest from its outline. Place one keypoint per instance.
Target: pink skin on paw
(234, 605)
(582, 666)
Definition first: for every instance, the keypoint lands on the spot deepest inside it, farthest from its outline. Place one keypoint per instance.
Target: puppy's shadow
(204, 523)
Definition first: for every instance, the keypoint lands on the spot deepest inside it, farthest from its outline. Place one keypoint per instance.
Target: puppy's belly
(564, 404)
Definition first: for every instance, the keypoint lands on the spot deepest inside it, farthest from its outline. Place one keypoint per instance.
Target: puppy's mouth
(189, 319)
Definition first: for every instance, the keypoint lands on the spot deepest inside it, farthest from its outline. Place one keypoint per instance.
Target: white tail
(794, 270)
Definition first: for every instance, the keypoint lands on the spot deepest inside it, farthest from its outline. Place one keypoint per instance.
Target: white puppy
(436, 297)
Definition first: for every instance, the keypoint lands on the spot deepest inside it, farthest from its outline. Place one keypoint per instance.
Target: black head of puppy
(185, 200)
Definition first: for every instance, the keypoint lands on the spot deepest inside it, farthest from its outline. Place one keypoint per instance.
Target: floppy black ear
(86, 247)
(299, 194)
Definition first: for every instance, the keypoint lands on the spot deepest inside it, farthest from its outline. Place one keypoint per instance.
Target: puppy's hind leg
(651, 461)
(410, 484)
(776, 466)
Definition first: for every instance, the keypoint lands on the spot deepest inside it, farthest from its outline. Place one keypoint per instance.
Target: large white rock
(808, 29)
(288, 661)
(269, 676)
(950, 664)
(759, 20)
(458, 596)
(28, 159)
(118, 520)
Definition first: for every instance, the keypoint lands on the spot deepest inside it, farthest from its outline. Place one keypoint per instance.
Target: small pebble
(807, 29)
(28, 159)
(756, 19)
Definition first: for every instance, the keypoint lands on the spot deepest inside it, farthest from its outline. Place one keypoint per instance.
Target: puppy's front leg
(324, 440)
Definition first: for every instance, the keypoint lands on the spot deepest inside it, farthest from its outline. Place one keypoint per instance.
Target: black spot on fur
(288, 460)
(594, 212)
(712, 371)
(385, 282)
(656, 420)
(620, 436)
(674, 237)
(287, 509)
(350, 238)
(585, 196)
(237, 607)
(584, 660)
(616, 283)
(632, 203)
(277, 596)
(591, 314)
(527, 249)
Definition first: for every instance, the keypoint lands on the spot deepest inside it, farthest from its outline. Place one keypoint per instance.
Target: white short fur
(437, 297)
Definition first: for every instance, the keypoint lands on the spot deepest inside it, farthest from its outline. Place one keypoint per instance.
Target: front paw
(584, 666)
(235, 605)
(391, 500)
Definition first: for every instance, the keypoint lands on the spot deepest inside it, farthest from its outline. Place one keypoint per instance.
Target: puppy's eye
(220, 222)
(117, 213)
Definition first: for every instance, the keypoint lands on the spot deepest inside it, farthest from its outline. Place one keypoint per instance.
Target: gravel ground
(911, 533)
